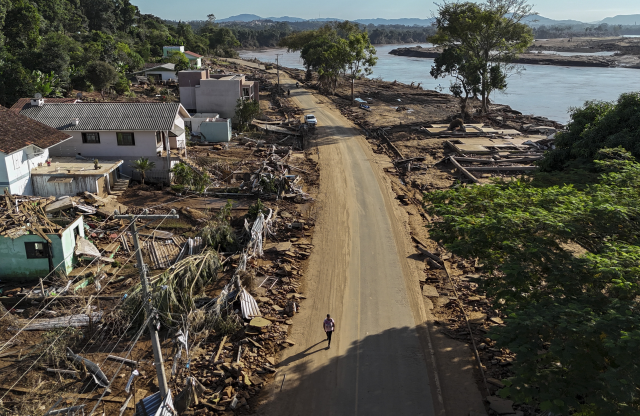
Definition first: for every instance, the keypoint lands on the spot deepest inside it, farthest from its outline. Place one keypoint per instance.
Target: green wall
(15, 266)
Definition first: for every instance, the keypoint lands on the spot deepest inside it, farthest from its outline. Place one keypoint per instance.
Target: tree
(101, 75)
(179, 59)
(490, 34)
(246, 110)
(464, 71)
(562, 265)
(594, 126)
(361, 57)
(21, 27)
(142, 165)
(326, 54)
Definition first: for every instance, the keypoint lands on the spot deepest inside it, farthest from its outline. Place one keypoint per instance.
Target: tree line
(53, 46)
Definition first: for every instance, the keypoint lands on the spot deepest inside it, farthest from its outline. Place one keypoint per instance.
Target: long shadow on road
(381, 374)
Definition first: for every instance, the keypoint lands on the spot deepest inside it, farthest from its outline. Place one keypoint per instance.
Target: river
(542, 90)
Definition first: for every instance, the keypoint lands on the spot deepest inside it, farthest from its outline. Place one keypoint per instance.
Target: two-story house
(123, 131)
(201, 92)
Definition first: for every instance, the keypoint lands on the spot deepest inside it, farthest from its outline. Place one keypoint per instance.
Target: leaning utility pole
(278, 68)
(153, 331)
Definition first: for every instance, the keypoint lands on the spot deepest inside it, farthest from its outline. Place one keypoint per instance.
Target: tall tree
(491, 34)
(361, 57)
(464, 72)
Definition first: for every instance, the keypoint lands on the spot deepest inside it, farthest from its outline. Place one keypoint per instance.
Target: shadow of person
(301, 354)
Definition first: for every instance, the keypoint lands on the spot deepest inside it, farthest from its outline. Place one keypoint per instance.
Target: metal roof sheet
(106, 116)
(155, 406)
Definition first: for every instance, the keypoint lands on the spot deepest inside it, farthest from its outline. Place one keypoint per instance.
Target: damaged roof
(18, 132)
(106, 116)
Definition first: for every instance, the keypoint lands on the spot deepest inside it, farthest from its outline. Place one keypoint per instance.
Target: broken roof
(18, 132)
(107, 116)
(21, 215)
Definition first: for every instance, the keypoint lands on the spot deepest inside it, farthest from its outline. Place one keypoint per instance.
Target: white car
(311, 120)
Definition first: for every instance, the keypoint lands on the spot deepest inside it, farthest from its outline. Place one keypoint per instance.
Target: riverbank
(540, 58)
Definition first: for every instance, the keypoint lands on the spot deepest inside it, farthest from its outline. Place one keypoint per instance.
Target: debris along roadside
(194, 258)
(425, 149)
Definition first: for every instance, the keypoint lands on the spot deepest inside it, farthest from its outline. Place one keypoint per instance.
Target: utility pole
(278, 68)
(153, 331)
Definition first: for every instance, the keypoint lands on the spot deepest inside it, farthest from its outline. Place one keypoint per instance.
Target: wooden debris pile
(22, 215)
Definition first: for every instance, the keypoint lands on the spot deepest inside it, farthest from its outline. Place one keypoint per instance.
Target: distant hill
(628, 19)
(535, 21)
(241, 18)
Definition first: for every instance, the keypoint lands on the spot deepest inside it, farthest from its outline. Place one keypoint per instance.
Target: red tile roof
(193, 54)
(24, 103)
(18, 131)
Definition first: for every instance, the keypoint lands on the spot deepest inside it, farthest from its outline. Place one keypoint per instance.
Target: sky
(583, 10)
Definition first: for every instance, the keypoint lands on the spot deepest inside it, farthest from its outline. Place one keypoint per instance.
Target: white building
(118, 131)
(24, 144)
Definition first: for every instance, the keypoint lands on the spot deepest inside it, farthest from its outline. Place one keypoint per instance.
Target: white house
(118, 131)
(24, 144)
(160, 72)
(195, 60)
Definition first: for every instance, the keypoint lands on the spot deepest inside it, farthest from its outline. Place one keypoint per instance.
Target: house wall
(17, 267)
(15, 169)
(188, 98)
(216, 131)
(108, 147)
(218, 96)
(80, 183)
(160, 173)
(162, 75)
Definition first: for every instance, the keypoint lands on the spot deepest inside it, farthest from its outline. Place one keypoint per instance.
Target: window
(37, 250)
(126, 139)
(158, 138)
(90, 137)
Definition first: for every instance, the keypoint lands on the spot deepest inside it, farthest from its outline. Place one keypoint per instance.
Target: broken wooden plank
(429, 254)
(463, 170)
(67, 372)
(224, 339)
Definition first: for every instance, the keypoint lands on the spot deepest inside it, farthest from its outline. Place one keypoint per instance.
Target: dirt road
(377, 363)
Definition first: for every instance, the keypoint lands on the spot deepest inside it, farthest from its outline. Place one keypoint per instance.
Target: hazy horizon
(582, 10)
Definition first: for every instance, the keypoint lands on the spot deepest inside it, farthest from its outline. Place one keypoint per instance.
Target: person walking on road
(329, 325)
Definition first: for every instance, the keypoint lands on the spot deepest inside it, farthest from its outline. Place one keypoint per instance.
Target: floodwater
(542, 90)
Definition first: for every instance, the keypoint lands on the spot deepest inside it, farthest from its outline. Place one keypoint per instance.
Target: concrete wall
(216, 131)
(108, 147)
(188, 98)
(17, 267)
(80, 183)
(15, 169)
(218, 96)
(160, 173)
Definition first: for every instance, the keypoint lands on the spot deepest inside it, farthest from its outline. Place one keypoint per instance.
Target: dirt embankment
(626, 52)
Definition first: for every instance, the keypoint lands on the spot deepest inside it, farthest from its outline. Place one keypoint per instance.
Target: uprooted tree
(563, 267)
(483, 37)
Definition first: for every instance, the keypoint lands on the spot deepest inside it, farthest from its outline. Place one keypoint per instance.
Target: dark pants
(329, 336)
